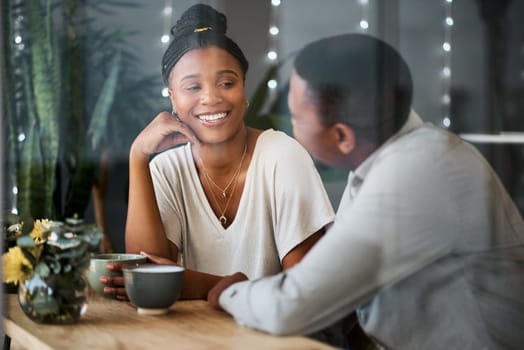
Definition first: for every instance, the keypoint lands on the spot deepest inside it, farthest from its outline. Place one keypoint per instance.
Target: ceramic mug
(97, 268)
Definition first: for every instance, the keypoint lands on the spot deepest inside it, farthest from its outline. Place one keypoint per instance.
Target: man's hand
(214, 293)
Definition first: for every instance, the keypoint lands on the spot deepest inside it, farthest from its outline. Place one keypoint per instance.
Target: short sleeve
(303, 206)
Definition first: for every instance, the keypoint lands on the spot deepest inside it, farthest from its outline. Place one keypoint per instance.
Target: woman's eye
(193, 87)
(226, 84)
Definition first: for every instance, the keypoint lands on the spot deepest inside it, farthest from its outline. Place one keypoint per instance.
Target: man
(427, 245)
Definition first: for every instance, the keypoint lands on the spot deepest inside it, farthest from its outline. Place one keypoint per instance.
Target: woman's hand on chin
(163, 132)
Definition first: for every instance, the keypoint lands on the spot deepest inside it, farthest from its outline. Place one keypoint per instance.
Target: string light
(272, 84)
(167, 13)
(272, 55)
(14, 209)
(364, 21)
(274, 31)
(446, 69)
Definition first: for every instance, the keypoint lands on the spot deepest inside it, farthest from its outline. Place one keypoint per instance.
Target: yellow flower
(39, 227)
(16, 266)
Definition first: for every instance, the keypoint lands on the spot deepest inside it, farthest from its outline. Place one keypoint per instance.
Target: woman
(233, 199)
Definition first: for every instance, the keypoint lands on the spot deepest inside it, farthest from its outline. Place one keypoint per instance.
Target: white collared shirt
(426, 244)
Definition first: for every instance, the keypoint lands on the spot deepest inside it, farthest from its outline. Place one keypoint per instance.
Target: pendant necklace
(222, 218)
(233, 181)
(224, 190)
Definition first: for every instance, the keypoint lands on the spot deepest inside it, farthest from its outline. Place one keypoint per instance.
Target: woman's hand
(155, 259)
(114, 285)
(163, 132)
(214, 293)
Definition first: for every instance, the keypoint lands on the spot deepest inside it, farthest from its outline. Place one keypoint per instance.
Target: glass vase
(54, 299)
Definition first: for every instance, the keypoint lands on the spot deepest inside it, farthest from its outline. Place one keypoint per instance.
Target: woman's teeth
(212, 117)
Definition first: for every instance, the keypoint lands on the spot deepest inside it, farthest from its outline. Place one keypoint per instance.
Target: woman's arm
(296, 254)
(144, 229)
(196, 285)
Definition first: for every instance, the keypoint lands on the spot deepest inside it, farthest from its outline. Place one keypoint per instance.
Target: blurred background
(81, 78)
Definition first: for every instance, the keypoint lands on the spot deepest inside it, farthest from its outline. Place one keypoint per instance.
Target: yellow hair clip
(203, 29)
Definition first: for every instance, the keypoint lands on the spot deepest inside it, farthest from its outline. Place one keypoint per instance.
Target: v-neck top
(283, 202)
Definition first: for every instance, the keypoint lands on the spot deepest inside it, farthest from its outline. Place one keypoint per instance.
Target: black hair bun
(200, 16)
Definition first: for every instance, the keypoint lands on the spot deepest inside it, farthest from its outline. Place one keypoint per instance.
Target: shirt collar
(357, 176)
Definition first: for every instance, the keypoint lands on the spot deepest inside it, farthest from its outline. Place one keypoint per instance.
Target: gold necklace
(234, 179)
(224, 190)
(222, 217)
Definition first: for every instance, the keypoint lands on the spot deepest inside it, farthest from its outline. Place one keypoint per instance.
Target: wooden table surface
(109, 324)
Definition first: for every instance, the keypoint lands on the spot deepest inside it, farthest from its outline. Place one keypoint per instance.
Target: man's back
(457, 271)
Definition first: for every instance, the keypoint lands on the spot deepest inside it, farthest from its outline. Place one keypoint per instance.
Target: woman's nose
(210, 97)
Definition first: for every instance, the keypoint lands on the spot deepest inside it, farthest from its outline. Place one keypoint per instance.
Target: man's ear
(345, 137)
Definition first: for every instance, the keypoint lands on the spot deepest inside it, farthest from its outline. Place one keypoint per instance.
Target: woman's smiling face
(206, 88)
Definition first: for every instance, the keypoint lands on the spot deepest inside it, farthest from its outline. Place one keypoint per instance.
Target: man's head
(348, 94)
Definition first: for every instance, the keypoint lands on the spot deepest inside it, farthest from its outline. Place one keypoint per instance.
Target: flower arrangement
(48, 263)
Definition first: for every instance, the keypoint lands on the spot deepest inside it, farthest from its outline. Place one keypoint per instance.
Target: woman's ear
(172, 99)
(345, 138)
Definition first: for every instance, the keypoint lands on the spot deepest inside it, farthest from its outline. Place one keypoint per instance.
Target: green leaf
(42, 269)
(26, 242)
(103, 105)
(46, 94)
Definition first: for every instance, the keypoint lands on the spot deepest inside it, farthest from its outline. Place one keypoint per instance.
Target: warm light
(446, 46)
(165, 92)
(164, 39)
(272, 84)
(274, 30)
(272, 55)
(364, 24)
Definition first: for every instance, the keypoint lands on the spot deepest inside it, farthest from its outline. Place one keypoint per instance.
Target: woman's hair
(199, 26)
(358, 80)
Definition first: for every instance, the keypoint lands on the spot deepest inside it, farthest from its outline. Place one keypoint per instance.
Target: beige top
(282, 204)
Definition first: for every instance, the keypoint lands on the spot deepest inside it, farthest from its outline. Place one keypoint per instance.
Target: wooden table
(110, 324)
